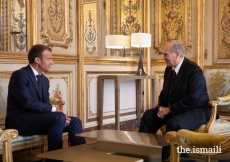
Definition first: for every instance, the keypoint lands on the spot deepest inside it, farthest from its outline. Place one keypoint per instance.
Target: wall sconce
(140, 40)
(117, 42)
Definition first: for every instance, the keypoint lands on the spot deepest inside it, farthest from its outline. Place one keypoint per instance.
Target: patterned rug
(199, 158)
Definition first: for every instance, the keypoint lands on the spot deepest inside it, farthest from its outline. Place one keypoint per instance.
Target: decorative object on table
(117, 42)
(140, 40)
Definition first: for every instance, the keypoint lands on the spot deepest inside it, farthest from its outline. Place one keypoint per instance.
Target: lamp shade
(141, 40)
(117, 41)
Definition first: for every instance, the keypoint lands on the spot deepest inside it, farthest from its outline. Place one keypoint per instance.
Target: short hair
(177, 47)
(36, 51)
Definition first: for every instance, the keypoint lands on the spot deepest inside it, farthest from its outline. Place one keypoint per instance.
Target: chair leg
(208, 159)
(174, 155)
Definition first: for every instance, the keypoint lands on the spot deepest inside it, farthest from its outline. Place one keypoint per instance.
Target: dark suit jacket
(24, 101)
(187, 97)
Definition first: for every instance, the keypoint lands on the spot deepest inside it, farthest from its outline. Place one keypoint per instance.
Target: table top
(86, 152)
(128, 137)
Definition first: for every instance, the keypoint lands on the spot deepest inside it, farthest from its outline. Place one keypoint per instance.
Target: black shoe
(165, 152)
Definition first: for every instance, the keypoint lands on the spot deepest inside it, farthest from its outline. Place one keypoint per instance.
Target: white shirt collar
(177, 68)
(34, 71)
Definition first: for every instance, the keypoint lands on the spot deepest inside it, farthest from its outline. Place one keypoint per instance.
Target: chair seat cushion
(23, 142)
(219, 126)
(28, 138)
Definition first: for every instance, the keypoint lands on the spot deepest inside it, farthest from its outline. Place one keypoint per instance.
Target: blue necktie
(39, 84)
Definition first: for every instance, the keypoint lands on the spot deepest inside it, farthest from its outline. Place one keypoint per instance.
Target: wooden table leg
(138, 101)
(117, 104)
(100, 94)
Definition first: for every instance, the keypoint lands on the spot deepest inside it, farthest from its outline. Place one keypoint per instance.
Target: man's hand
(67, 120)
(163, 111)
(66, 115)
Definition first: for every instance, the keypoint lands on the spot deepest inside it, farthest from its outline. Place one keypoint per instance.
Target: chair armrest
(189, 139)
(210, 123)
(6, 137)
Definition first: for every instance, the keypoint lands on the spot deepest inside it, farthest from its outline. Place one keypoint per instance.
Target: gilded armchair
(220, 126)
(24, 142)
(6, 137)
(207, 144)
(215, 128)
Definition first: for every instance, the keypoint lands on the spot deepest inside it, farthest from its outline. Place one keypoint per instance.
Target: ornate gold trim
(216, 32)
(159, 76)
(80, 64)
(158, 30)
(200, 52)
(112, 61)
(216, 67)
(45, 35)
(21, 57)
(161, 62)
(34, 21)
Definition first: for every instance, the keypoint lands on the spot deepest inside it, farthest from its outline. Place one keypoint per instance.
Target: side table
(117, 79)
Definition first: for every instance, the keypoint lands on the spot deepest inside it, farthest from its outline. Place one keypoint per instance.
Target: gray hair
(177, 47)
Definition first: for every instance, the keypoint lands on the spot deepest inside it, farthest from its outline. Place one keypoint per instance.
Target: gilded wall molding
(221, 41)
(172, 20)
(18, 25)
(127, 61)
(61, 86)
(21, 57)
(4, 26)
(159, 80)
(90, 19)
(80, 64)
(4, 83)
(56, 18)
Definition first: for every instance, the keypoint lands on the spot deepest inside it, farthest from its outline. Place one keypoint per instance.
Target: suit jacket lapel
(42, 95)
(33, 80)
(179, 76)
(167, 80)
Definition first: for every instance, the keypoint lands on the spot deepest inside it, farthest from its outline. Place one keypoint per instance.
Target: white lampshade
(117, 41)
(141, 40)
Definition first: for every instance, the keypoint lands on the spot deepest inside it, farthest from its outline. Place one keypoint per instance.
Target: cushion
(223, 99)
(21, 139)
(219, 126)
(201, 140)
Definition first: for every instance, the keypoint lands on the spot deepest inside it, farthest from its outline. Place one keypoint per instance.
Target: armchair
(206, 144)
(208, 135)
(23, 142)
(220, 126)
(6, 137)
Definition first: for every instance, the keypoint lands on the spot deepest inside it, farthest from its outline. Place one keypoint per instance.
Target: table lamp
(117, 42)
(140, 40)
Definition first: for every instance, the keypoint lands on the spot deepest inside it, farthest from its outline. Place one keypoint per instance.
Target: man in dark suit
(183, 101)
(28, 106)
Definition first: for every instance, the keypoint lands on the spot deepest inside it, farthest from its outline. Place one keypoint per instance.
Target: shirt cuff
(53, 109)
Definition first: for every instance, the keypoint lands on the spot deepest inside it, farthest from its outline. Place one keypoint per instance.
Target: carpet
(198, 158)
